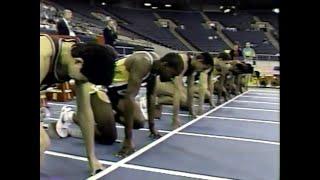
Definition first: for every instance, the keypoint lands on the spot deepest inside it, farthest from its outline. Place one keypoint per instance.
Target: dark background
(193, 4)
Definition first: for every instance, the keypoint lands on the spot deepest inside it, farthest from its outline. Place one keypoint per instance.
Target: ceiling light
(154, 7)
(276, 10)
(103, 3)
(147, 4)
(167, 5)
(226, 10)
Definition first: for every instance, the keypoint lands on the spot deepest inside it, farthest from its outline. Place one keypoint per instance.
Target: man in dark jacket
(63, 25)
(110, 32)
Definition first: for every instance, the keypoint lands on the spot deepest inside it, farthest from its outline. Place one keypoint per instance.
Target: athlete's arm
(176, 96)
(151, 98)
(136, 73)
(190, 93)
(85, 119)
(203, 86)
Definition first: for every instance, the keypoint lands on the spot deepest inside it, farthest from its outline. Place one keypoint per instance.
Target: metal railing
(124, 50)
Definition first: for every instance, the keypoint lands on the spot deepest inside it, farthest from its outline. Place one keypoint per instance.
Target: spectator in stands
(248, 53)
(63, 25)
(236, 52)
(110, 33)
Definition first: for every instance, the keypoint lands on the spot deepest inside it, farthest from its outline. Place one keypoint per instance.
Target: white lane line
(262, 97)
(245, 120)
(184, 115)
(173, 172)
(170, 106)
(230, 138)
(60, 104)
(251, 109)
(156, 142)
(257, 102)
(142, 168)
(265, 94)
(79, 158)
(262, 91)
(198, 135)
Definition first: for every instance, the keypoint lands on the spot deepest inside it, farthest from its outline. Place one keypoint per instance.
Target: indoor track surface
(239, 139)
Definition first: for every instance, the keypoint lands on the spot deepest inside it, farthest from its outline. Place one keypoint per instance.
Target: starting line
(137, 167)
(154, 143)
(123, 163)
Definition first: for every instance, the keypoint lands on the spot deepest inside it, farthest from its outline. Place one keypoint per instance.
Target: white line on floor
(213, 136)
(229, 138)
(137, 167)
(253, 109)
(245, 120)
(265, 94)
(172, 172)
(149, 146)
(262, 97)
(184, 115)
(258, 102)
(265, 91)
(60, 104)
(202, 135)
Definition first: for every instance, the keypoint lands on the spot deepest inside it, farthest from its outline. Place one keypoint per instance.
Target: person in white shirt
(63, 25)
(249, 54)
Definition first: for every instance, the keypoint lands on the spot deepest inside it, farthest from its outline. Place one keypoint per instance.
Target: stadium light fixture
(276, 10)
(226, 10)
(147, 4)
(154, 7)
(167, 5)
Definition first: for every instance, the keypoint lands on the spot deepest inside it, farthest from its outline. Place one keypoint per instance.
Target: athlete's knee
(138, 124)
(106, 138)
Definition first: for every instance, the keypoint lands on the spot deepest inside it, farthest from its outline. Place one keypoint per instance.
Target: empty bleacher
(244, 32)
(194, 31)
(143, 23)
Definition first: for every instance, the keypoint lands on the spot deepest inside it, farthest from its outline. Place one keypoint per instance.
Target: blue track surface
(231, 143)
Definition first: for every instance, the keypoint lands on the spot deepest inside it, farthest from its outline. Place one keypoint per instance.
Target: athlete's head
(224, 56)
(93, 62)
(171, 65)
(203, 61)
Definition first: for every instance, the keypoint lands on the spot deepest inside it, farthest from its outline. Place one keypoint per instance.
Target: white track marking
(251, 109)
(142, 168)
(173, 172)
(262, 97)
(156, 142)
(258, 102)
(266, 91)
(240, 119)
(265, 94)
(212, 136)
(229, 138)
(60, 104)
(184, 115)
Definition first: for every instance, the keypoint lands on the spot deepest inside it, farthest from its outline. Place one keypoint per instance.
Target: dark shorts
(115, 94)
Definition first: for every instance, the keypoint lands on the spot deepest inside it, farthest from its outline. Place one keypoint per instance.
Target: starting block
(43, 100)
(61, 93)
